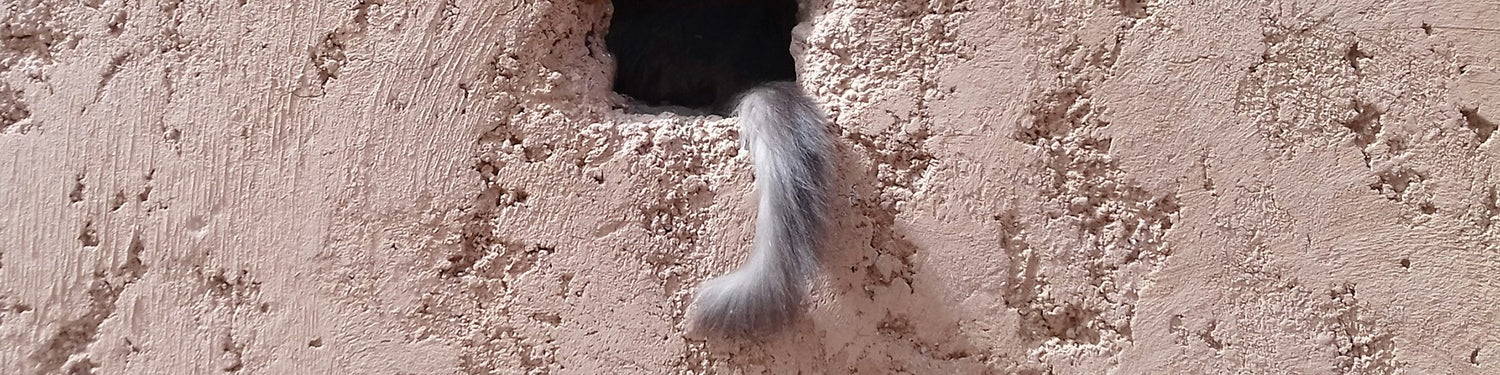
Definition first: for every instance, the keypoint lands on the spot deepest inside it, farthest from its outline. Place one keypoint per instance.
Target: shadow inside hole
(694, 56)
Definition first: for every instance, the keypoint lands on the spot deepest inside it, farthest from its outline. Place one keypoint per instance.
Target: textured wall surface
(449, 186)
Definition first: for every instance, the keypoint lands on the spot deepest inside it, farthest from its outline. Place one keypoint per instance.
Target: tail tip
(734, 306)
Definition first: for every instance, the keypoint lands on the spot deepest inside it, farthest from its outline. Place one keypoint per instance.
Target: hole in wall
(694, 56)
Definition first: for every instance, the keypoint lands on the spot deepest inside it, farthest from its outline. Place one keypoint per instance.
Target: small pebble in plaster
(1324, 339)
(76, 195)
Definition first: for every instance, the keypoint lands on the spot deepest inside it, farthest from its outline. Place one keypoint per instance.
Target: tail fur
(786, 135)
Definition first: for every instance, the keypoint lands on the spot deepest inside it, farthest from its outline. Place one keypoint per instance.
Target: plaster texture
(450, 187)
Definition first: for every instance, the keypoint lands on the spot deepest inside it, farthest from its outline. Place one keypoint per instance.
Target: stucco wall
(404, 187)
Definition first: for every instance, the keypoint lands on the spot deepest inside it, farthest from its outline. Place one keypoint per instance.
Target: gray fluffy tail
(786, 135)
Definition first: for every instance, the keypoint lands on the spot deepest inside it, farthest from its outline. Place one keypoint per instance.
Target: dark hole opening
(699, 54)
